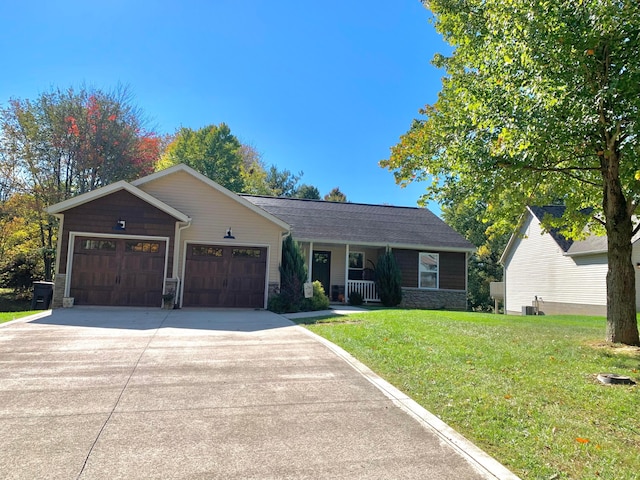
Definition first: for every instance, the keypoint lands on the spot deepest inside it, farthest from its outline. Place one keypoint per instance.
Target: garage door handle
(117, 279)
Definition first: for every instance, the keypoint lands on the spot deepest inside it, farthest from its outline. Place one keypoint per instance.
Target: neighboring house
(175, 230)
(544, 270)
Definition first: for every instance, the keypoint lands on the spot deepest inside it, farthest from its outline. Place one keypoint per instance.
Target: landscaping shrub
(293, 274)
(355, 298)
(388, 280)
(19, 273)
(319, 301)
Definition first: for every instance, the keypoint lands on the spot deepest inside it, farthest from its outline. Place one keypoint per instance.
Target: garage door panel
(223, 276)
(121, 272)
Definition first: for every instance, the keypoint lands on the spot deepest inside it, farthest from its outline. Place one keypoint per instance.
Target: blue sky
(320, 87)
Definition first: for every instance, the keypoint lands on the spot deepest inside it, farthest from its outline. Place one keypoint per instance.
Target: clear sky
(320, 87)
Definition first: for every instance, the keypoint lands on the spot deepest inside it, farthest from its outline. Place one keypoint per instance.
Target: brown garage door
(224, 276)
(120, 272)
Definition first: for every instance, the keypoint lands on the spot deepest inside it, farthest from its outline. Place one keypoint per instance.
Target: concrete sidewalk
(92, 393)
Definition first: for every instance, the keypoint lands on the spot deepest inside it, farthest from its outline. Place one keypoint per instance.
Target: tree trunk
(622, 325)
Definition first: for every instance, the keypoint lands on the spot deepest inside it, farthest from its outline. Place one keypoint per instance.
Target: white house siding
(212, 213)
(538, 267)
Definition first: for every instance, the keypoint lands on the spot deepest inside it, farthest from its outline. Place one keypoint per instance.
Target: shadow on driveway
(236, 320)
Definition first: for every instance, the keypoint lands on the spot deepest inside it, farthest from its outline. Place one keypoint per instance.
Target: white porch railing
(366, 288)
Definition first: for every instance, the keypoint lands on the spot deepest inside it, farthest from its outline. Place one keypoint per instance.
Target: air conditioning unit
(528, 310)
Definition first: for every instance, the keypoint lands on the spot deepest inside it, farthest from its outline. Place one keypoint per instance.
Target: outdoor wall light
(229, 234)
(120, 225)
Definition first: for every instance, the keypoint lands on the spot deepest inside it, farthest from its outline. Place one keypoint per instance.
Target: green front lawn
(524, 389)
(8, 316)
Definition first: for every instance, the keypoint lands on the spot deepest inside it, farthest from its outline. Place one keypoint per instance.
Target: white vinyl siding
(212, 213)
(538, 267)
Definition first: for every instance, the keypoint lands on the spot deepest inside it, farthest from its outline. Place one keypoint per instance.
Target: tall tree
(212, 150)
(335, 195)
(307, 191)
(67, 142)
(540, 101)
(282, 183)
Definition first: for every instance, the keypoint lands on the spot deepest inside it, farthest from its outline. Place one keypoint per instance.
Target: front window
(428, 270)
(356, 265)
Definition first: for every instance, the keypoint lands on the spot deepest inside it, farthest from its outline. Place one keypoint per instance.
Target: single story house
(177, 231)
(545, 271)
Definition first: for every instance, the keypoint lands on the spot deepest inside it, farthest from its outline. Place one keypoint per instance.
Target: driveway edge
(477, 457)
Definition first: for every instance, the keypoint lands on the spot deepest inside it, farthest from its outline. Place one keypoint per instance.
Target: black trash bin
(42, 295)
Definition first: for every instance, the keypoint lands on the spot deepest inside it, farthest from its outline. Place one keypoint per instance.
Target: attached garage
(118, 271)
(225, 276)
(167, 235)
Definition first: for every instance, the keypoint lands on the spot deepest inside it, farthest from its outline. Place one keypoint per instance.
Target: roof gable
(336, 222)
(76, 201)
(215, 186)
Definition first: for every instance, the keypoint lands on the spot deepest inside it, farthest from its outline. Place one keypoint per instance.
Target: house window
(105, 245)
(204, 251)
(428, 270)
(356, 265)
(246, 253)
(142, 247)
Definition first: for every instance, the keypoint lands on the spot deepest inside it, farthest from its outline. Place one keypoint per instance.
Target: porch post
(310, 262)
(346, 274)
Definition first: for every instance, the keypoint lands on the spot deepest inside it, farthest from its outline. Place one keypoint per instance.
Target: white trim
(400, 246)
(310, 263)
(225, 244)
(60, 217)
(234, 196)
(70, 252)
(346, 273)
(112, 188)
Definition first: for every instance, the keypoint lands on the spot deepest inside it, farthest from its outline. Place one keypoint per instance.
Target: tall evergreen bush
(293, 274)
(388, 280)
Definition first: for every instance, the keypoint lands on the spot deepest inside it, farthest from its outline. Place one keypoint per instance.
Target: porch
(343, 269)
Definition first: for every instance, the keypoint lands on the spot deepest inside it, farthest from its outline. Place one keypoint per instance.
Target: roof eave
(407, 246)
(61, 207)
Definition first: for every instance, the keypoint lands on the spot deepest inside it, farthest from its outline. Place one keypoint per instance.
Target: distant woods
(68, 142)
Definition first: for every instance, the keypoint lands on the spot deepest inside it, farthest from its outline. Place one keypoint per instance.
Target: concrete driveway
(98, 393)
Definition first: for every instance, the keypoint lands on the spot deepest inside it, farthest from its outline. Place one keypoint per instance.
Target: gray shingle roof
(591, 244)
(357, 223)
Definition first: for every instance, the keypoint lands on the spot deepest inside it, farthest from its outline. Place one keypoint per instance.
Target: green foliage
(293, 275)
(63, 143)
(388, 280)
(212, 150)
(466, 217)
(355, 298)
(282, 183)
(20, 272)
(521, 388)
(307, 191)
(538, 104)
(335, 195)
(319, 301)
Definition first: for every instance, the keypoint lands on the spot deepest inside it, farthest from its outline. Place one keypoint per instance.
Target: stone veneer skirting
(58, 290)
(434, 299)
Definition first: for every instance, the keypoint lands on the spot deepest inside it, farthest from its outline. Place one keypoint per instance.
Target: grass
(13, 307)
(8, 316)
(523, 389)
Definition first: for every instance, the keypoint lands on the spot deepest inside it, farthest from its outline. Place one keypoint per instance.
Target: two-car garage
(131, 271)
